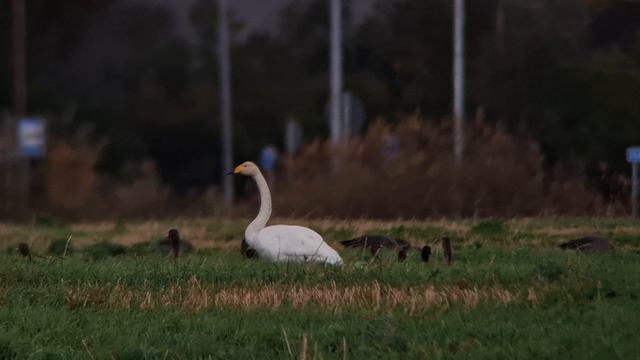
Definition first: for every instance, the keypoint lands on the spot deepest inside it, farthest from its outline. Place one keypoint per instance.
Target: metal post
(346, 115)
(19, 58)
(634, 190)
(458, 81)
(500, 27)
(633, 157)
(225, 99)
(335, 76)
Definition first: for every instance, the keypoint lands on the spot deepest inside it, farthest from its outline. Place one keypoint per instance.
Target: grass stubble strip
(194, 296)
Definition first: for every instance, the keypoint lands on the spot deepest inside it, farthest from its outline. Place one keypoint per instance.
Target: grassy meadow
(510, 293)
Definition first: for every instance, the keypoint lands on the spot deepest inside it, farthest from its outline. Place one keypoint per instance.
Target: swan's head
(247, 168)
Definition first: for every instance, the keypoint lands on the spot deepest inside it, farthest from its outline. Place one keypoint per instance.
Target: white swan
(282, 243)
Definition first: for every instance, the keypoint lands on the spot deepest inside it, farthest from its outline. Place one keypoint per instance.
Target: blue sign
(268, 157)
(633, 154)
(31, 137)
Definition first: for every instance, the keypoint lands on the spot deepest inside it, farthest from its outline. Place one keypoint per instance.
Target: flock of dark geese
(375, 244)
(293, 243)
(174, 245)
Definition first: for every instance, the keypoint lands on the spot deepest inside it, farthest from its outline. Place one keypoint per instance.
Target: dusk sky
(263, 14)
(257, 15)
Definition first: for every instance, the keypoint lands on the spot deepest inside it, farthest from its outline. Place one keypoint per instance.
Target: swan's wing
(296, 243)
(293, 240)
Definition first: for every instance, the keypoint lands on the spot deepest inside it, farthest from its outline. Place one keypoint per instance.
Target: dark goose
(446, 250)
(425, 253)
(375, 242)
(378, 242)
(246, 251)
(175, 244)
(23, 249)
(589, 244)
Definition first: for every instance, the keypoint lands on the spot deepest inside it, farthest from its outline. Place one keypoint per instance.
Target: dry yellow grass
(195, 296)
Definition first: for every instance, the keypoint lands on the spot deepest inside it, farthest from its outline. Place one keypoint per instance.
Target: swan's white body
(282, 243)
(286, 243)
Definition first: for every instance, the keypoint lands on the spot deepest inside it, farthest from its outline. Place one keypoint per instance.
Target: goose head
(173, 235)
(174, 238)
(247, 168)
(23, 249)
(425, 253)
(402, 255)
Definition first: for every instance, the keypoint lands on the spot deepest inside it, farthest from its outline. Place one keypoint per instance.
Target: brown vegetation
(408, 171)
(402, 171)
(195, 296)
(75, 190)
(69, 178)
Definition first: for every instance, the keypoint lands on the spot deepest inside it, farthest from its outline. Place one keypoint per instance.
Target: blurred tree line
(565, 73)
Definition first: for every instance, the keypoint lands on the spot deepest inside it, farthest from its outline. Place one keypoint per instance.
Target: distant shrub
(397, 231)
(488, 228)
(7, 350)
(57, 246)
(146, 248)
(103, 250)
(549, 271)
(409, 171)
(48, 221)
(414, 232)
(120, 227)
(75, 190)
(146, 194)
(69, 177)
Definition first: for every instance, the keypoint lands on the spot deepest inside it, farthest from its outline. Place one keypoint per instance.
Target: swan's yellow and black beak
(236, 171)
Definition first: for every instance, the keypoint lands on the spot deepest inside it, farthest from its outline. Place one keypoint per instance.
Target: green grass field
(510, 293)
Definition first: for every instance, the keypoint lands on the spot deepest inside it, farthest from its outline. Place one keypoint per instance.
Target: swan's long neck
(265, 208)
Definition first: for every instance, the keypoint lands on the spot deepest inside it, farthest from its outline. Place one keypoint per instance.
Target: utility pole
(19, 59)
(225, 99)
(633, 156)
(335, 74)
(458, 81)
(500, 27)
(19, 195)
